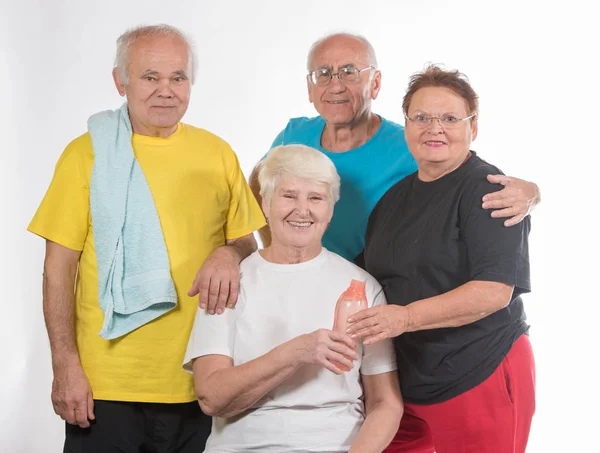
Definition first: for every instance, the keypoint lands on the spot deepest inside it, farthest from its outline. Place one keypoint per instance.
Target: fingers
(81, 415)
(363, 314)
(234, 292)
(195, 289)
(374, 339)
(338, 363)
(513, 220)
(346, 347)
(354, 327)
(213, 295)
(370, 331)
(500, 179)
(506, 212)
(222, 297)
(331, 366)
(203, 291)
(340, 338)
(90, 407)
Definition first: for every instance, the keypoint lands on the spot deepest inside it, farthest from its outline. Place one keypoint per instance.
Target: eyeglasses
(447, 121)
(346, 74)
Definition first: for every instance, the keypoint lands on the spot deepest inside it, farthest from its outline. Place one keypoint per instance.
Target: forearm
(464, 305)
(383, 408)
(58, 306)
(230, 391)
(243, 246)
(378, 430)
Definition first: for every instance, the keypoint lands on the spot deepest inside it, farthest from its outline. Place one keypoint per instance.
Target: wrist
(234, 251)
(410, 325)
(65, 360)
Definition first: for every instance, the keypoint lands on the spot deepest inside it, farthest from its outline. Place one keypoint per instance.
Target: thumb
(194, 289)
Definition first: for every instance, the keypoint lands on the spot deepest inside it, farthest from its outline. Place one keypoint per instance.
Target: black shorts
(122, 427)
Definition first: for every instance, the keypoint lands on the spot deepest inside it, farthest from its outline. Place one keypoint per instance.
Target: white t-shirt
(314, 410)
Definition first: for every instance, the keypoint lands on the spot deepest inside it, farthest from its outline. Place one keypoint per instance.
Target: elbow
(209, 408)
(208, 401)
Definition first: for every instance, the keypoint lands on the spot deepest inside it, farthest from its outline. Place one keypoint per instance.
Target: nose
(436, 126)
(302, 207)
(335, 86)
(164, 89)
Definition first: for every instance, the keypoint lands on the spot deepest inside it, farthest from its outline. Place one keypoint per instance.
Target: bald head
(357, 44)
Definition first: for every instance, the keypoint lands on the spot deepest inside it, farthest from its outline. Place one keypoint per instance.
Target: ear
(474, 128)
(375, 84)
(118, 83)
(309, 87)
(265, 207)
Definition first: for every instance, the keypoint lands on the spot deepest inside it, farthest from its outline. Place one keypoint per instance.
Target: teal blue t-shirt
(367, 172)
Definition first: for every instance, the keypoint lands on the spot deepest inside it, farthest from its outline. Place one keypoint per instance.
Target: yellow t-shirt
(202, 199)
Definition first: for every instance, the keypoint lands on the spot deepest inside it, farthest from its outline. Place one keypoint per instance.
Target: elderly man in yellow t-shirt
(131, 394)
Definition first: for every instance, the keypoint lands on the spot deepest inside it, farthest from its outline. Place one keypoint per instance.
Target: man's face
(343, 103)
(158, 92)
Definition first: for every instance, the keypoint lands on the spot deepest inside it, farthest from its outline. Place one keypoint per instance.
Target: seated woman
(267, 371)
(454, 277)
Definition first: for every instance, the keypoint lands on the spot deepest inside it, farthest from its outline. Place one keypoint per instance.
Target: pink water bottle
(351, 301)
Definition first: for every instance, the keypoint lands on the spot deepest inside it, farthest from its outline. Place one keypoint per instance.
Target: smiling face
(299, 213)
(159, 87)
(343, 103)
(433, 145)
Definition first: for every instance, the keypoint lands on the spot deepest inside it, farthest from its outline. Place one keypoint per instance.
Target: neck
(288, 254)
(339, 138)
(430, 171)
(153, 131)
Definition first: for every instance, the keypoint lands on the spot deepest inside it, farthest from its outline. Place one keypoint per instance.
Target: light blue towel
(134, 274)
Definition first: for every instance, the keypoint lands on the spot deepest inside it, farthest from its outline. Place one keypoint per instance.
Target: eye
(150, 78)
(450, 119)
(316, 198)
(322, 74)
(288, 195)
(421, 118)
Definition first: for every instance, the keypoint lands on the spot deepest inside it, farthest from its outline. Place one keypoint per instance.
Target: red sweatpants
(493, 417)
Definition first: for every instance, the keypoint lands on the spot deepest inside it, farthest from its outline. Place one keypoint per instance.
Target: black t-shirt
(426, 238)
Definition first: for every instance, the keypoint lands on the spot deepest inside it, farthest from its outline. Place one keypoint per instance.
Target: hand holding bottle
(325, 348)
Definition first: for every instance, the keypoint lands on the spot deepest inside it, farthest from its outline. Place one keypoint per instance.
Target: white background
(533, 63)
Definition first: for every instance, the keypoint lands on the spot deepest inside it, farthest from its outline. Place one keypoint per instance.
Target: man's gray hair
(370, 50)
(127, 39)
(300, 161)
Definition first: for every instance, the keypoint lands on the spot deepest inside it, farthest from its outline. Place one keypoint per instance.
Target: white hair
(300, 161)
(127, 39)
(370, 50)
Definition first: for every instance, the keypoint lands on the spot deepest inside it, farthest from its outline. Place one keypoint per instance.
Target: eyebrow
(147, 72)
(330, 67)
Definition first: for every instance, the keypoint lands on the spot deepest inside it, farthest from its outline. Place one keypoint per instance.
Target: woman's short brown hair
(434, 76)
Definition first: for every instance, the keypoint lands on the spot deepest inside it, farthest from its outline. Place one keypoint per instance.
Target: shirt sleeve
(380, 357)
(244, 215)
(211, 334)
(64, 214)
(494, 252)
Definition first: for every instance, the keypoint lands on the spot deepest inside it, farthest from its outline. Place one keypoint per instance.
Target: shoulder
(341, 266)
(79, 152)
(391, 126)
(302, 125)
(211, 145)
(197, 134)
(475, 178)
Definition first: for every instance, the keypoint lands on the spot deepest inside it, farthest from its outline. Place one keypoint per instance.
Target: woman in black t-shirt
(453, 276)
